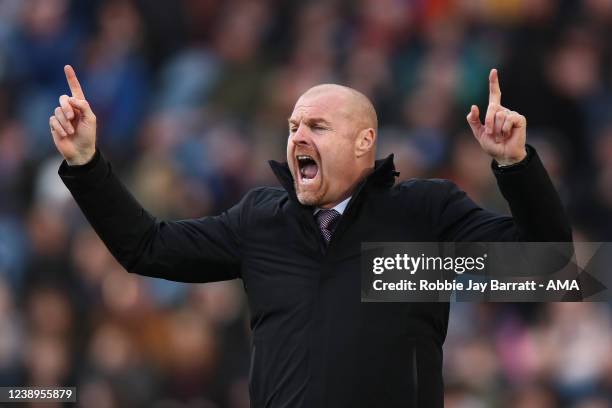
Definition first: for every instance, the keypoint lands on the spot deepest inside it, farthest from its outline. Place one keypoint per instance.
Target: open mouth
(308, 168)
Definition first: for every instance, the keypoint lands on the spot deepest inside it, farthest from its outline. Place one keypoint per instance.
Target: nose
(301, 136)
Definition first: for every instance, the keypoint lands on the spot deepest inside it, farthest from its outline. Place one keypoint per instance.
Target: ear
(365, 142)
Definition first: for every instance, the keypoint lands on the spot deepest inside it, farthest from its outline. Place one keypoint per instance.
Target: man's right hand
(73, 124)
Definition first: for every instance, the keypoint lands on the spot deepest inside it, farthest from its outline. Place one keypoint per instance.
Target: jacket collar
(384, 175)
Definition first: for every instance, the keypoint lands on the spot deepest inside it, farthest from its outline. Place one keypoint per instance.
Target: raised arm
(200, 250)
(537, 212)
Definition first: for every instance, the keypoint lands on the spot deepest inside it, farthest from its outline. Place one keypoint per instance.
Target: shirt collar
(340, 207)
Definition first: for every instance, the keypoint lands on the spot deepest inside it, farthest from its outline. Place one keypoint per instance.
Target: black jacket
(314, 343)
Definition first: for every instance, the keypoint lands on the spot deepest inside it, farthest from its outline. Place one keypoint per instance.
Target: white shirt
(340, 207)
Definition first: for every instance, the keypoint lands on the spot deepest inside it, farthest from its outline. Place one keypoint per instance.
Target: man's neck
(340, 207)
(349, 192)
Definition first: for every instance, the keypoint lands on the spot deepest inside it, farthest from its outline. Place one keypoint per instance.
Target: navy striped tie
(327, 220)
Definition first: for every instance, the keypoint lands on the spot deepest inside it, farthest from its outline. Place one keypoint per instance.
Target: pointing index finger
(73, 82)
(494, 90)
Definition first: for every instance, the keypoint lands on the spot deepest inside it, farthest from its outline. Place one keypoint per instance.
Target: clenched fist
(504, 132)
(73, 124)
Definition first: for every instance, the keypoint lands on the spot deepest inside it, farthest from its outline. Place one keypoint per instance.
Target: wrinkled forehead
(331, 106)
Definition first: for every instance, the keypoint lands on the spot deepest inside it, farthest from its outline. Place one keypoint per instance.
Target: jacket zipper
(347, 212)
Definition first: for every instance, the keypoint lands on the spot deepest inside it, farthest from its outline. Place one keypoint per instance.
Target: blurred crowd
(192, 99)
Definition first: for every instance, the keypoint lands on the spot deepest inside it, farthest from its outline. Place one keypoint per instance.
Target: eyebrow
(311, 121)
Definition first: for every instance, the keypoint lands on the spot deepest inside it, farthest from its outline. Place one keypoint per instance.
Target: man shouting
(297, 248)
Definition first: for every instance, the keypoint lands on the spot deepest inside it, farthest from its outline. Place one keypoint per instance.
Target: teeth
(303, 157)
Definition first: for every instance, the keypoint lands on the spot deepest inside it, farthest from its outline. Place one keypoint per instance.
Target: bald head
(332, 143)
(358, 106)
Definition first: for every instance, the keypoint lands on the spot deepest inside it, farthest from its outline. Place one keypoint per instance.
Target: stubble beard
(310, 198)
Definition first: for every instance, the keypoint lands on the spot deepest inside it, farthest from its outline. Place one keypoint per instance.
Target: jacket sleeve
(198, 250)
(537, 212)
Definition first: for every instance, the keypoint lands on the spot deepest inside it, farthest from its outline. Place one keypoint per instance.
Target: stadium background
(192, 98)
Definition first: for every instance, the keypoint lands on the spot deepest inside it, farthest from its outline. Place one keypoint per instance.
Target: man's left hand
(504, 132)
